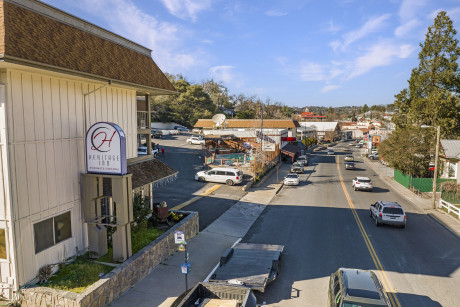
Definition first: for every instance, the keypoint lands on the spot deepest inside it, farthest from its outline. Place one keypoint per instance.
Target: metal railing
(450, 208)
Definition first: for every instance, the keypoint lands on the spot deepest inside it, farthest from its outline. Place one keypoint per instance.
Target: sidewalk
(166, 282)
(422, 204)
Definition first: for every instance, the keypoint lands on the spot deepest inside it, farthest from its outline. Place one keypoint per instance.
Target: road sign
(181, 248)
(179, 237)
(186, 268)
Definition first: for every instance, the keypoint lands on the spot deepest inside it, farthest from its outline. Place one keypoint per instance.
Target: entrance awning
(290, 150)
(151, 171)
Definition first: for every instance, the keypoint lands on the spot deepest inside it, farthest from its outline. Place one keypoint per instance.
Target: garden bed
(120, 279)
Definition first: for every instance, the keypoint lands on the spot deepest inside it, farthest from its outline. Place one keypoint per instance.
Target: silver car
(292, 179)
(388, 212)
(362, 183)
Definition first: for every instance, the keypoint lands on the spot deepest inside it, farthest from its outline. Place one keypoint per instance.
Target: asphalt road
(188, 159)
(316, 223)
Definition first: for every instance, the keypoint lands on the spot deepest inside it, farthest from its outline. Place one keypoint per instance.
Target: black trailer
(251, 265)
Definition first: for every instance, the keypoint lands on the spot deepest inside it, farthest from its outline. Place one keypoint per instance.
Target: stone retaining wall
(114, 283)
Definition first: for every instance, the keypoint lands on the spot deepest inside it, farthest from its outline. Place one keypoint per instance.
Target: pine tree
(432, 97)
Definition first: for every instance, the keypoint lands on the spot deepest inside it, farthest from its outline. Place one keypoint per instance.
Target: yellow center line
(194, 199)
(383, 276)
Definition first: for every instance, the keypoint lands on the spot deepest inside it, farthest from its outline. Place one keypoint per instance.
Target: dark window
(52, 231)
(211, 172)
(62, 227)
(230, 174)
(221, 173)
(389, 210)
(2, 244)
(365, 180)
(43, 233)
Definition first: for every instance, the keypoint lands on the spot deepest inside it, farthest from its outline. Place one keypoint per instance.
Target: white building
(58, 76)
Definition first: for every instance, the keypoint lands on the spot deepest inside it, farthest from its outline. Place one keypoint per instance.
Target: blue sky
(299, 53)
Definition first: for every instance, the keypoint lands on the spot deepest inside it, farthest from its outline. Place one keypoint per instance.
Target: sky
(300, 53)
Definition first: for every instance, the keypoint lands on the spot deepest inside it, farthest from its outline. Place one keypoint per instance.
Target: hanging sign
(105, 149)
(268, 147)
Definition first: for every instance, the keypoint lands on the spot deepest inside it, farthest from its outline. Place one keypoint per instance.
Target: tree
(434, 86)
(217, 92)
(365, 108)
(409, 149)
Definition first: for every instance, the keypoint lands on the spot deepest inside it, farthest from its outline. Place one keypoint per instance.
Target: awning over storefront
(290, 150)
(214, 137)
(151, 171)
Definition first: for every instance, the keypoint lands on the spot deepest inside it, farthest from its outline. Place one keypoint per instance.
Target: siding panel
(21, 181)
(32, 178)
(47, 108)
(64, 102)
(42, 178)
(37, 88)
(28, 107)
(17, 108)
(56, 105)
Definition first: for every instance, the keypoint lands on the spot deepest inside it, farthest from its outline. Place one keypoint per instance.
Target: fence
(451, 197)
(450, 208)
(420, 184)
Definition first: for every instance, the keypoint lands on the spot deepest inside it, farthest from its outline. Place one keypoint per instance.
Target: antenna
(219, 119)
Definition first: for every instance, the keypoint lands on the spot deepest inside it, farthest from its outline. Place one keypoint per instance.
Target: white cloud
(186, 9)
(332, 27)
(330, 87)
(409, 9)
(380, 54)
(312, 72)
(165, 39)
(406, 28)
(370, 26)
(223, 73)
(275, 13)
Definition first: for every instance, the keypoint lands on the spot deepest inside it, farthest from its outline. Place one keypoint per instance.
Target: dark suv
(353, 287)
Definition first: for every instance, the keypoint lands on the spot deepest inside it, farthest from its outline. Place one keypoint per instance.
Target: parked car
(292, 179)
(346, 149)
(374, 156)
(183, 129)
(196, 130)
(359, 145)
(330, 152)
(196, 140)
(297, 168)
(388, 212)
(302, 160)
(174, 132)
(142, 151)
(158, 134)
(355, 287)
(374, 151)
(227, 175)
(349, 158)
(362, 183)
(350, 165)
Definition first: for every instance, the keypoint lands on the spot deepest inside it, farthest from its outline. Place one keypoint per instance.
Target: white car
(227, 175)
(362, 183)
(303, 160)
(142, 151)
(292, 179)
(330, 152)
(196, 140)
(196, 130)
(388, 212)
(174, 132)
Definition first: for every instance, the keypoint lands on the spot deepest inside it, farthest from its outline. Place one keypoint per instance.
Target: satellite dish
(219, 119)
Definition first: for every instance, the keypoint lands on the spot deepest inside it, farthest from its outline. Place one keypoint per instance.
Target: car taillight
(357, 182)
(405, 217)
(380, 215)
(237, 178)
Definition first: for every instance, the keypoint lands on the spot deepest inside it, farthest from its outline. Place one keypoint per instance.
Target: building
(451, 159)
(325, 131)
(252, 124)
(59, 76)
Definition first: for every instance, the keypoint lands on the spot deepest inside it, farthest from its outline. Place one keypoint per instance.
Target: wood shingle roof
(33, 33)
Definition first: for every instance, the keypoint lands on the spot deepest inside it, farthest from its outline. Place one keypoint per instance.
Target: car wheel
(229, 182)
(354, 188)
(377, 223)
(370, 213)
(201, 179)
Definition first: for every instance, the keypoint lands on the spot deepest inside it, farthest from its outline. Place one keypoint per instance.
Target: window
(389, 210)
(52, 231)
(222, 173)
(211, 172)
(2, 244)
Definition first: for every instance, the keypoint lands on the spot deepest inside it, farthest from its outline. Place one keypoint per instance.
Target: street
(324, 225)
(315, 222)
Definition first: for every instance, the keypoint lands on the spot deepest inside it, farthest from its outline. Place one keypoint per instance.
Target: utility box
(97, 240)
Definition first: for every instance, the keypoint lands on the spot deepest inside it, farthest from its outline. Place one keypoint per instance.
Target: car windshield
(291, 176)
(391, 210)
(364, 180)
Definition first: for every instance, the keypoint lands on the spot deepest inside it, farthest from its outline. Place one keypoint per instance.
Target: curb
(267, 175)
(248, 185)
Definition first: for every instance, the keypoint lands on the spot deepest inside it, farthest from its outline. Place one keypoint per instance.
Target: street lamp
(435, 177)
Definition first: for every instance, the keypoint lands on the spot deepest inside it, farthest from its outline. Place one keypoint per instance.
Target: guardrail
(450, 208)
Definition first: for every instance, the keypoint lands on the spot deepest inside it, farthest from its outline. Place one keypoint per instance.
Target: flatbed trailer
(250, 265)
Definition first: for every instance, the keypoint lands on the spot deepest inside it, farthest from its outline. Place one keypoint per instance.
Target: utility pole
(435, 177)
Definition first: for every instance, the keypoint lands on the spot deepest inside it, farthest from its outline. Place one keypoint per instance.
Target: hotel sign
(105, 149)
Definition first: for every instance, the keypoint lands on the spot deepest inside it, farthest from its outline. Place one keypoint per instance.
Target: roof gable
(32, 38)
